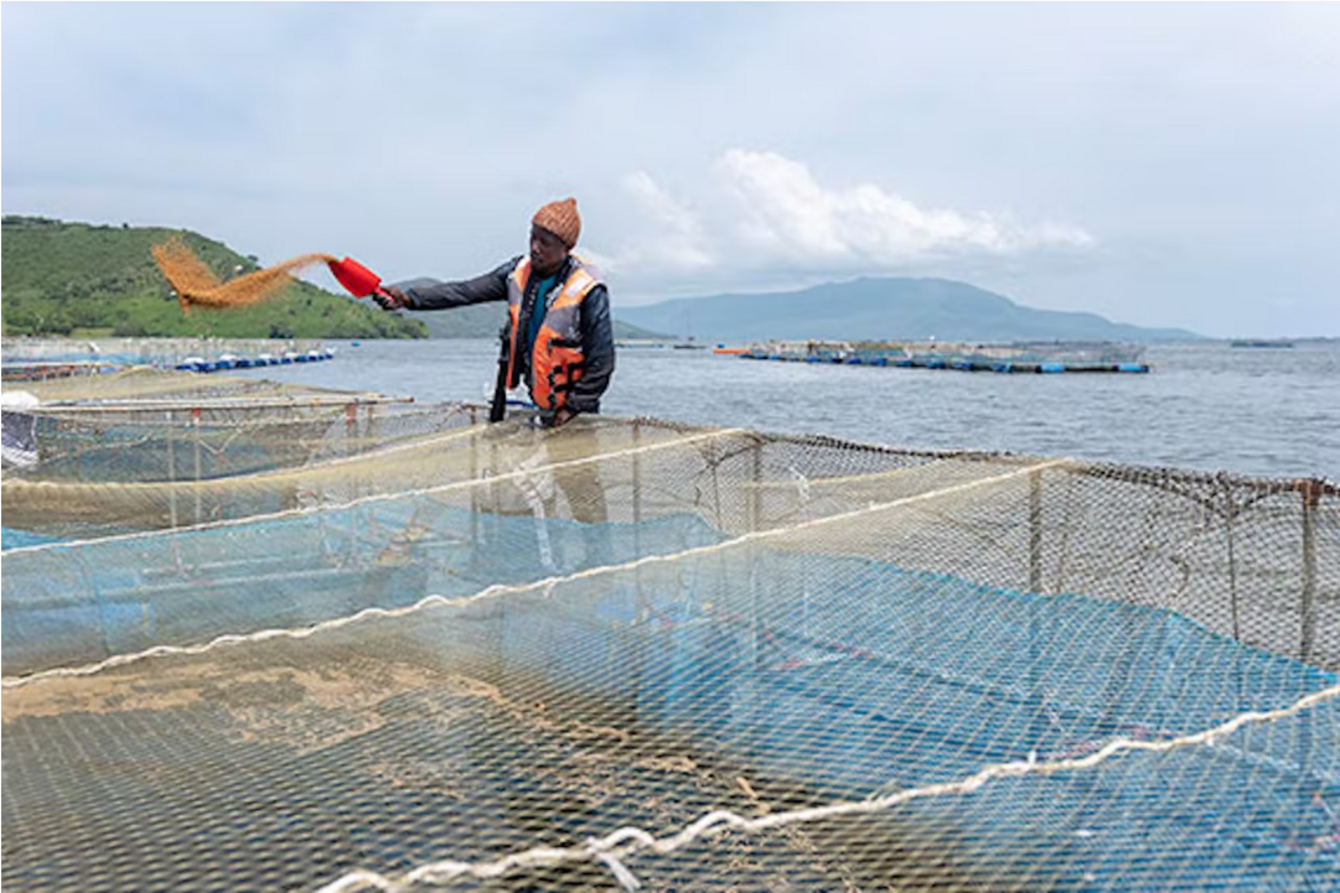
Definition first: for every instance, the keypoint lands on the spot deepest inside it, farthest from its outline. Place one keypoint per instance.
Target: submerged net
(409, 648)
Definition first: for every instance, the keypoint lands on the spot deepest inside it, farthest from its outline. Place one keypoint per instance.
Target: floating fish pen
(43, 370)
(399, 648)
(1013, 358)
(1263, 343)
(27, 359)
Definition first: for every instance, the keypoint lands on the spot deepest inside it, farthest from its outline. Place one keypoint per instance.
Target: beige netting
(400, 647)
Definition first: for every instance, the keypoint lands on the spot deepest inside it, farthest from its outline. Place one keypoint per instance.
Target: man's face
(547, 251)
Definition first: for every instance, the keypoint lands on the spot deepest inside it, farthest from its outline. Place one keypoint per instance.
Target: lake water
(1269, 412)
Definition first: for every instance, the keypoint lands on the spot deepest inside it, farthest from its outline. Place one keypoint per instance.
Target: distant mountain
(66, 278)
(892, 309)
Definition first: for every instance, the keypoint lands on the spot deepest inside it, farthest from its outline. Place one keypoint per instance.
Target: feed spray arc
(196, 284)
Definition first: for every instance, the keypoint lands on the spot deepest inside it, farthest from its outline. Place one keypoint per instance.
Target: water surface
(1203, 406)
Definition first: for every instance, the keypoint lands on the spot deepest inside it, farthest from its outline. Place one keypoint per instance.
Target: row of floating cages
(1020, 357)
(42, 370)
(636, 653)
(186, 354)
(233, 361)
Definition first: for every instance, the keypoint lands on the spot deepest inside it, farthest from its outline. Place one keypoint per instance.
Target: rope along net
(630, 654)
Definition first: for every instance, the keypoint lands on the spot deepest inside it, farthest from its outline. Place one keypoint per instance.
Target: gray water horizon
(1204, 406)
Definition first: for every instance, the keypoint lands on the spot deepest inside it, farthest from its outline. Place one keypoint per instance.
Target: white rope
(547, 583)
(625, 842)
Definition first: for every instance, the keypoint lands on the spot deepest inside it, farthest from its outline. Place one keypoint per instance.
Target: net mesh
(396, 647)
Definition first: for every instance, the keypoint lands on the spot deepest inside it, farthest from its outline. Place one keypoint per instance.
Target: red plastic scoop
(356, 278)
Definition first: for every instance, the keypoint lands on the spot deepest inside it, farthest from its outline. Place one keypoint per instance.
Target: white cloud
(768, 210)
(679, 243)
(782, 207)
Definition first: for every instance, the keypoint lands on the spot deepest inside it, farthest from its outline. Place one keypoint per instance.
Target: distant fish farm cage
(1044, 357)
(28, 359)
(264, 638)
(42, 370)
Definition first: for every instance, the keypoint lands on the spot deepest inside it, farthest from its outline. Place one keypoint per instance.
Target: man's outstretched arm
(432, 295)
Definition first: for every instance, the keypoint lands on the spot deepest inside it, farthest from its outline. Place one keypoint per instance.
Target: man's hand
(388, 297)
(563, 416)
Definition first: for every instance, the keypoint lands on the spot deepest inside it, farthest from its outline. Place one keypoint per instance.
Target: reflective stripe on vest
(556, 359)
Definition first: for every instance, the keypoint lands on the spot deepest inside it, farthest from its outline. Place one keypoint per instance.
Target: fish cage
(30, 358)
(1044, 357)
(395, 647)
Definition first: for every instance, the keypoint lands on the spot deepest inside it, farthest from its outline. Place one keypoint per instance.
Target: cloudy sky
(1159, 164)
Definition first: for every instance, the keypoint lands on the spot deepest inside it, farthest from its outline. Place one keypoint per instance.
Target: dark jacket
(597, 331)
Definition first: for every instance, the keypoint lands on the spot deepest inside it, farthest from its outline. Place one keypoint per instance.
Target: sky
(1166, 165)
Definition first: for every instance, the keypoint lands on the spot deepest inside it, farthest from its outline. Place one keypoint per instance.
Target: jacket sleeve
(597, 331)
(430, 294)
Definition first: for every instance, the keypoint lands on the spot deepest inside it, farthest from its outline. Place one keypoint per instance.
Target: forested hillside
(64, 278)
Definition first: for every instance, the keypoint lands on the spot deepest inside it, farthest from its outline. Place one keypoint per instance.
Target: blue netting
(91, 600)
(13, 538)
(856, 677)
(850, 676)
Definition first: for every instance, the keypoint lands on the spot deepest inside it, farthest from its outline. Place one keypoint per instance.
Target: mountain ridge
(882, 308)
(70, 277)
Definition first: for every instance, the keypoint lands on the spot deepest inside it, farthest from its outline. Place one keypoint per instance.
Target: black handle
(499, 407)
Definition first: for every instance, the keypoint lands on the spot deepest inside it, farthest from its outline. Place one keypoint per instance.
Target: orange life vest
(556, 359)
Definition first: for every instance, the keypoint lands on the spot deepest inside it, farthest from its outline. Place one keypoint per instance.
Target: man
(560, 338)
(560, 342)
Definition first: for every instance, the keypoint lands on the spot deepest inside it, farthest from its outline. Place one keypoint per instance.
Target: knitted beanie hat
(561, 219)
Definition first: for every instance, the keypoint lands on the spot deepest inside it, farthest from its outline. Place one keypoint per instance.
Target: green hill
(62, 278)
